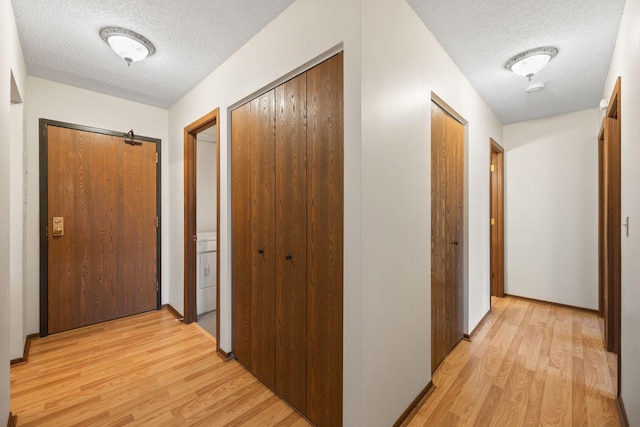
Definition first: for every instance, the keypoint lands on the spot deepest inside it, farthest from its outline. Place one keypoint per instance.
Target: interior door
(447, 174)
(263, 153)
(497, 220)
(102, 236)
(291, 242)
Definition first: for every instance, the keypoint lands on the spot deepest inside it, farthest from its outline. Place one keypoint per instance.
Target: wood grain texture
(529, 364)
(497, 214)
(147, 369)
(104, 267)
(241, 233)
(263, 294)
(325, 235)
(291, 239)
(447, 242)
(190, 226)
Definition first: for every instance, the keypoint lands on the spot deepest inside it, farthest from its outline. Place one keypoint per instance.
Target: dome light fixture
(130, 46)
(527, 64)
(535, 87)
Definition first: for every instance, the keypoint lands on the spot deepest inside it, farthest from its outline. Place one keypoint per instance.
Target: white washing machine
(206, 265)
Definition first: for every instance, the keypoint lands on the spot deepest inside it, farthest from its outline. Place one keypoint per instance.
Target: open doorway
(206, 230)
(202, 201)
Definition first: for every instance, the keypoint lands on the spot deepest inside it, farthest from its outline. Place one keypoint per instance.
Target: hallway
(529, 364)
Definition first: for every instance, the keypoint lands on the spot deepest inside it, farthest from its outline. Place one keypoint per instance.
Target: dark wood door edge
(25, 353)
(557, 304)
(622, 413)
(468, 337)
(224, 355)
(173, 311)
(12, 421)
(411, 410)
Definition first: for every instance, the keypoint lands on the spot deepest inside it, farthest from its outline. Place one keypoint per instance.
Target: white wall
(55, 101)
(11, 61)
(304, 31)
(402, 64)
(551, 208)
(206, 186)
(626, 63)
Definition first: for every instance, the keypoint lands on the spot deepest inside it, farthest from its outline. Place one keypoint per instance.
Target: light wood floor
(529, 364)
(142, 370)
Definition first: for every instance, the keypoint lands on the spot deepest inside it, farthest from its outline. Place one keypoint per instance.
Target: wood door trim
(609, 207)
(497, 239)
(190, 132)
(44, 210)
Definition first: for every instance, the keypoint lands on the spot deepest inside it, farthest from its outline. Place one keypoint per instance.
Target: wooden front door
(447, 198)
(101, 234)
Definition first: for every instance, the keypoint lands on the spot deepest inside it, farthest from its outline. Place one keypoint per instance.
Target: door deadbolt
(58, 226)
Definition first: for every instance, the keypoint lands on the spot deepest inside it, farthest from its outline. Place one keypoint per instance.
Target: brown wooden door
(497, 220)
(325, 219)
(104, 265)
(447, 174)
(287, 240)
(263, 153)
(241, 230)
(291, 242)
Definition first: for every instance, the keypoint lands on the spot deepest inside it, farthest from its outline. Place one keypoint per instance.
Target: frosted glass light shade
(527, 64)
(129, 49)
(130, 46)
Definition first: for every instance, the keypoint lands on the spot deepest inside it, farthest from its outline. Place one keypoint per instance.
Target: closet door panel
(241, 233)
(263, 247)
(325, 241)
(291, 241)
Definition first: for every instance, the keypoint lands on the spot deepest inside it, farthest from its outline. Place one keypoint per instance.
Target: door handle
(455, 243)
(260, 251)
(288, 256)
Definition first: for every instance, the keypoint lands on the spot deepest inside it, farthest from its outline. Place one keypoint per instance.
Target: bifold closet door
(291, 242)
(287, 240)
(253, 205)
(325, 213)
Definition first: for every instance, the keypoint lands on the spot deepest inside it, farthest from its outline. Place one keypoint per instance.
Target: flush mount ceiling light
(527, 64)
(130, 46)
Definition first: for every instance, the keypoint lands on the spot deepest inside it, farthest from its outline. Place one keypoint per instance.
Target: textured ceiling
(480, 36)
(61, 42)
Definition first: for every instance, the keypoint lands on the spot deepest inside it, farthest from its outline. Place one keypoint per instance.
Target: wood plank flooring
(529, 364)
(147, 369)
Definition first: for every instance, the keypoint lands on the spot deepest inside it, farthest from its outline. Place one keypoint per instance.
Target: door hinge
(156, 157)
(157, 287)
(157, 222)
(493, 168)
(493, 221)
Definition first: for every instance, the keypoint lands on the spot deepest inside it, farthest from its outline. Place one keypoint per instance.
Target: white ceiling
(480, 36)
(61, 42)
